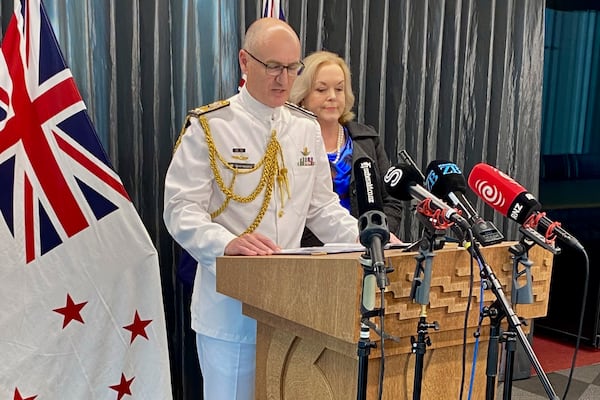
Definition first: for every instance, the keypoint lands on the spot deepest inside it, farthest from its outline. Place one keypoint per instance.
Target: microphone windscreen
(368, 194)
(443, 177)
(398, 180)
(502, 193)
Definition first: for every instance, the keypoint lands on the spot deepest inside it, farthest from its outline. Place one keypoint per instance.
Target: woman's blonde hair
(305, 81)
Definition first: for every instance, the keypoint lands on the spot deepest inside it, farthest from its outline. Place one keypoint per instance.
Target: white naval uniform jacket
(241, 132)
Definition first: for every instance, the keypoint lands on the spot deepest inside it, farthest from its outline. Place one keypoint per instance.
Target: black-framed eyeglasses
(275, 69)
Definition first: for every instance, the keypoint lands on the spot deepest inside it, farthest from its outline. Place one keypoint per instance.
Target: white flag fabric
(82, 314)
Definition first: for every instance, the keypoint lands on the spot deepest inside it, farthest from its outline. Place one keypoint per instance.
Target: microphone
(512, 200)
(445, 180)
(372, 222)
(403, 182)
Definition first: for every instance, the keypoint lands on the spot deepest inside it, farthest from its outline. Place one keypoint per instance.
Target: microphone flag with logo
(445, 179)
(403, 182)
(372, 222)
(505, 195)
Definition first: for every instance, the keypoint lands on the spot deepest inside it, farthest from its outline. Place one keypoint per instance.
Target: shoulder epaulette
(298, 108)
(198, 111)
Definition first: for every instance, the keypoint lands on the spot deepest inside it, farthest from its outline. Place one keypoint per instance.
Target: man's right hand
(251, 244)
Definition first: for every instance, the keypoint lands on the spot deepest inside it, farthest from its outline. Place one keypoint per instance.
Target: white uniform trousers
(228, 368)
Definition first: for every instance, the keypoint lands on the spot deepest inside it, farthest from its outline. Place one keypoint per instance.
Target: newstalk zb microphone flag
(82, 314)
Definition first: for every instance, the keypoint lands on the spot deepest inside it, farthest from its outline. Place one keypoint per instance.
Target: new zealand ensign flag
(82, 314)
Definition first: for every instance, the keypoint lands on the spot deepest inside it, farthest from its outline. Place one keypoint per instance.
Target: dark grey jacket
(366, 144)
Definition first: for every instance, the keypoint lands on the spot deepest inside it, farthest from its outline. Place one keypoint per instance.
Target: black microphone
(372, 222)
(404, 183)
(512, 200)
(445, 179)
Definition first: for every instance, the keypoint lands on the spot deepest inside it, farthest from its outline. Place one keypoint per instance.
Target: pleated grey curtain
(459, 80)
(456, 79)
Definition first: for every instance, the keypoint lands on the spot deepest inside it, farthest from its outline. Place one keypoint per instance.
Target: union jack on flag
(51, 161)
(82, 314)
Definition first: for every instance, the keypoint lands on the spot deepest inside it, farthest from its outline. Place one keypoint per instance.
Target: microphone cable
(466, 322)
(382, 334)
(382, 343)
(483, 285)
(581, 315)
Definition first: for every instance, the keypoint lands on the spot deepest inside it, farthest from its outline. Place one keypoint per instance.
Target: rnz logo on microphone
(518, 208)
(515, 211)
(365, 167)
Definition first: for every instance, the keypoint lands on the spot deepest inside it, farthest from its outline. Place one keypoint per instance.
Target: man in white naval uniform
(246, 176)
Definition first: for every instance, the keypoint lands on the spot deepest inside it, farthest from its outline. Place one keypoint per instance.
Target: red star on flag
(18, 396)
(138, 327)
(123, 387)
(71, 311)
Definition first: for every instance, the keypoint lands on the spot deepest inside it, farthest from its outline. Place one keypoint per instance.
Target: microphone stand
(373, 234)
(500, 309)
(373, 275)
(367, 310)
(521, 293)
(419, 293)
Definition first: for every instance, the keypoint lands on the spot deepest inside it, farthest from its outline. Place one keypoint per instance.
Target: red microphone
(502, 193)
(512, 200)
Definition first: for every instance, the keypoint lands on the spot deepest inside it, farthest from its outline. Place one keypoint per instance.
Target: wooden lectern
(308, 313)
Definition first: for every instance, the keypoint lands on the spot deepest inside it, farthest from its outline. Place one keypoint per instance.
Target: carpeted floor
(555, 357)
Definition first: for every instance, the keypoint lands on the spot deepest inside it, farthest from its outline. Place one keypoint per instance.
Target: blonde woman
(324, 87)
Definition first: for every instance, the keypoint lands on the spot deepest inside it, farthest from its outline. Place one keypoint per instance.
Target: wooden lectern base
(308, 313)
(292, 368)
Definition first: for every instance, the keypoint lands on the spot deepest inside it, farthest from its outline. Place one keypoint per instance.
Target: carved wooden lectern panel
(308, 313)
